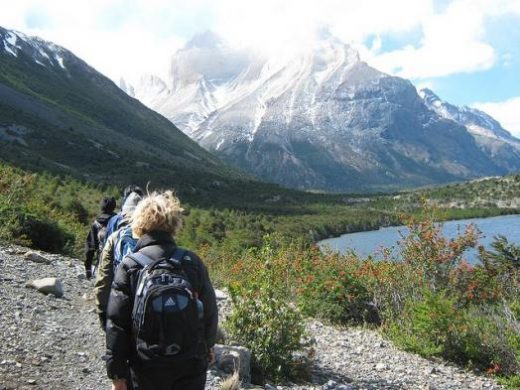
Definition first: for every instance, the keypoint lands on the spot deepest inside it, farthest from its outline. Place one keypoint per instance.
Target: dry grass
(231, 382)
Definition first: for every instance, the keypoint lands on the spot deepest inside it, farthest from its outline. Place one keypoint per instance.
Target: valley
(341, 147)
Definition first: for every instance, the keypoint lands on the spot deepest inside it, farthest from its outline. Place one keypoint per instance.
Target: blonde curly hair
(159, 211)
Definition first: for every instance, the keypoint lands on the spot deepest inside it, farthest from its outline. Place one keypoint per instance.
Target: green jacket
(104, 278)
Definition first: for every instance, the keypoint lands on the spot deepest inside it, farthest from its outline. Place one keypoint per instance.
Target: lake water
(372, 242)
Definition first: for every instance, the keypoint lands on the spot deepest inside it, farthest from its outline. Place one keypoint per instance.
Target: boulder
(47, 286)
(36, 258)
(230, 358)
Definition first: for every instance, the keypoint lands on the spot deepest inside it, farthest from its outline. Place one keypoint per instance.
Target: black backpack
(101, 234)
(167, 314)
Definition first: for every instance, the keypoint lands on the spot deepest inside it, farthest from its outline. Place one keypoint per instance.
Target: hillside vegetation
(432, 302)
(238, 222)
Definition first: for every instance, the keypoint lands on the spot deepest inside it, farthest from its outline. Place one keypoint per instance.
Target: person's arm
(119, 323)
(208, 298)
(111, 226)
(90, 249)
(104, 279)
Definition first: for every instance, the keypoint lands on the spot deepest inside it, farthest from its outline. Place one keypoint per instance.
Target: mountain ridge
(57, 113)
(318, 119)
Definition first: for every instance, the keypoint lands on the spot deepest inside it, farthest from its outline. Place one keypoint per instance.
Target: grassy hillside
(66, 118)
(242, 219)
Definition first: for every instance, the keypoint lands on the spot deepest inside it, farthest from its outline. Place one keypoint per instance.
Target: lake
(372, 242)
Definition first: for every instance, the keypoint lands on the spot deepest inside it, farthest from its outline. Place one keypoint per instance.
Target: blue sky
(467, 51)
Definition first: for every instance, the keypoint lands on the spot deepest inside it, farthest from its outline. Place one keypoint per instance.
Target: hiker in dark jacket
(115, 222)
(156, 220)
(96, 235)
(111, 257)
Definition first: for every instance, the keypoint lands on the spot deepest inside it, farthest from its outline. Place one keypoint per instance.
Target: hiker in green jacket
(117, 245)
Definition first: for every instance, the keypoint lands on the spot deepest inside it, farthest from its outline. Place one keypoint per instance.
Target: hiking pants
(190, 377)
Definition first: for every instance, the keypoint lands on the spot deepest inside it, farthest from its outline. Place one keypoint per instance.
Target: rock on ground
(47, 286)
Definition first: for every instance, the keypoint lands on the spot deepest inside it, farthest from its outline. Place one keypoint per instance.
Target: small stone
(330, 385)
(381, 367)
(36, 258)
(220, 295)
(31, 381)
(50, 286)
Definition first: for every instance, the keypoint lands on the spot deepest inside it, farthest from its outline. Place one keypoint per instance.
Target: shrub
(425, 326)
(502, 263)
(331, 288)
(76, 208)
(264, 320)
(480, 336)
(40, 232)
(512, 382)
(428, 262)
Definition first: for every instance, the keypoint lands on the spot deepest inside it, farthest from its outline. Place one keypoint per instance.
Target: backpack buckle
(172, 349)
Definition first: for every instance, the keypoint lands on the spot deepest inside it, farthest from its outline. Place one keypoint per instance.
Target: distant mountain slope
(491, 137)
(316, 119)
(60, 114)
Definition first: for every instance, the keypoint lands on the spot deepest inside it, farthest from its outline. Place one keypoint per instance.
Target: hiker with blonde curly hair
(162, 312)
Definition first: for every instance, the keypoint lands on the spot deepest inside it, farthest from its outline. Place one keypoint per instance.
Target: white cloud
(506, 112)
(453, 42)
(289, 23)
(101, 32)
(132, 37)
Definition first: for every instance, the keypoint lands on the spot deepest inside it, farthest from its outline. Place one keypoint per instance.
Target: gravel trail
(56, 343)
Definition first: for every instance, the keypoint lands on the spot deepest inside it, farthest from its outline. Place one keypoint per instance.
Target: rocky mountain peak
(317, 117)
(14, 43)
(429, 96)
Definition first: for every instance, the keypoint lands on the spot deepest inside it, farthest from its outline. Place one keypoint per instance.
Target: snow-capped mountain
(59, 114)
(42, 52)
(488, 133)
(476, 121)
(318, 118)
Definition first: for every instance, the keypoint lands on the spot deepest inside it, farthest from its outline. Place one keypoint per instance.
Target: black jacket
(120, 344)
(92, 243)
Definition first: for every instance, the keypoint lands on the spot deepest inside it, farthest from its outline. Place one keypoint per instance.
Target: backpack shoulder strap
(178, 254)
(182, 258)
(141, 259)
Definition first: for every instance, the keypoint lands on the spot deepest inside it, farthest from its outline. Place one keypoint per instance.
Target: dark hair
(108, 204)
(132, 188)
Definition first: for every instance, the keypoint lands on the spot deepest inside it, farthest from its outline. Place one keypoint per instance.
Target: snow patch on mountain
(476, 121)
(320, 118)
(42, 52)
